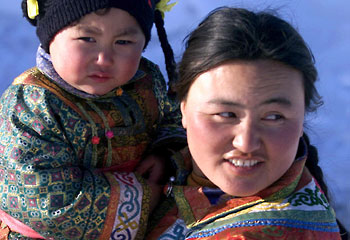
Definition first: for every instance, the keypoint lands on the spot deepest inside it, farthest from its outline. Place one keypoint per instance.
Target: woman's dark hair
(316, 172)
(228, 34)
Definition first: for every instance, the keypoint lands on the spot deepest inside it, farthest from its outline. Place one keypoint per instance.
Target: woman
(246, 83)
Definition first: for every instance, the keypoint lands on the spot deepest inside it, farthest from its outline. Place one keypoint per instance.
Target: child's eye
(123, 42)
(87, 39)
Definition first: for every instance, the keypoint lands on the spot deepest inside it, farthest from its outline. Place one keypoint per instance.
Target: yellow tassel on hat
(163, 6)
(32, 8)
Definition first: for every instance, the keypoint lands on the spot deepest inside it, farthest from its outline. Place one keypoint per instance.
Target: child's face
(244, 121)
(100, 52)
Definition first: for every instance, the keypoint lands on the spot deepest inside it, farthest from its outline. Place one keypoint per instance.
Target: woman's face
(244, 120)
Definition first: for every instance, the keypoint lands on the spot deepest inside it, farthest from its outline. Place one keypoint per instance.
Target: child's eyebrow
(127, 31)
(88, 29)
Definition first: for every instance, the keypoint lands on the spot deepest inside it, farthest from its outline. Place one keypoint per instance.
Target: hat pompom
(25, 13)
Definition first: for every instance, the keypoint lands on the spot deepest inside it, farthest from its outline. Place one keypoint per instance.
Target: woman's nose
(246, 137)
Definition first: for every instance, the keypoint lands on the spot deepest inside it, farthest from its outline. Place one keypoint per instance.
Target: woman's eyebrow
(222, 101)
(276, 100)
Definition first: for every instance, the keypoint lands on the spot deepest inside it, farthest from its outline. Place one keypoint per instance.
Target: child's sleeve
(170, 134)
(47, 187)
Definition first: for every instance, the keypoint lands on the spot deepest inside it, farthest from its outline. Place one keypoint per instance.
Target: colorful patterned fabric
(58, 151)
(292, 208)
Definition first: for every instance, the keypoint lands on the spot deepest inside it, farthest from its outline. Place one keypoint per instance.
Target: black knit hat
(57, 14)
(54, 15)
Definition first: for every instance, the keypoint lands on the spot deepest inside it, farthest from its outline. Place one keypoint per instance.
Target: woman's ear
(301, 131)
(183, 112)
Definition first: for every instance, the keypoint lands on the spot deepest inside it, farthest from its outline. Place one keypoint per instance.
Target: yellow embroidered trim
(181, 201)
(197, 181)
(163, 6)
(242, 209)
(94, 134)
(32, 8)
(145, 207)
(108, 132)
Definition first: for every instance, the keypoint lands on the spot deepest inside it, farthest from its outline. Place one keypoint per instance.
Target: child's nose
(105, 57)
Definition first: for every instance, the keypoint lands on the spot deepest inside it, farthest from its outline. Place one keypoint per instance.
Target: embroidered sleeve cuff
(128, 209)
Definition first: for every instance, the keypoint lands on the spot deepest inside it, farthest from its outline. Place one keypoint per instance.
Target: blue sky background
(324, 24)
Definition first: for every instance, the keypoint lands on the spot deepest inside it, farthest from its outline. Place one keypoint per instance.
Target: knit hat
(54, 15)
(50, 16)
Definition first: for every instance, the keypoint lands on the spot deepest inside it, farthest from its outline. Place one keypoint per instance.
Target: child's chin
(96, 92)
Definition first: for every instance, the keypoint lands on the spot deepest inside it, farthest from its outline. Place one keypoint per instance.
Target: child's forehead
(100, 12)
(118, 20)
(120, 31)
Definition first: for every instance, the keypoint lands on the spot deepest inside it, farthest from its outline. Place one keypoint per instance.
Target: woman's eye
(227, 114)
(273, 117)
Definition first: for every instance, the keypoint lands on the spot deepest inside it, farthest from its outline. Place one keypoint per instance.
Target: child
(77, 125)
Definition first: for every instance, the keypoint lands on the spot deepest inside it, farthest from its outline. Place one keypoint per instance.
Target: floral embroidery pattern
(309, 197)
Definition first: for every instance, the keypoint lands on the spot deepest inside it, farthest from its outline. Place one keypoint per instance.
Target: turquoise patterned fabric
(50, 162)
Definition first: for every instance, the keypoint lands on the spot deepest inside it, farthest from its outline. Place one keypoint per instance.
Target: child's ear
(183, 112)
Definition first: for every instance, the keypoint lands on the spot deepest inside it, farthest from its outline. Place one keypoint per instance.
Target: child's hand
(157, 191)
(152, 168)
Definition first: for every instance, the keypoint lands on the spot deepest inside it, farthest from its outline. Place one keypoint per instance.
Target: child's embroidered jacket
(60, 149)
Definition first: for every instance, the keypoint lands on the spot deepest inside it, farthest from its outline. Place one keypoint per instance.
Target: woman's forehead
(258, 75)
(248, 83)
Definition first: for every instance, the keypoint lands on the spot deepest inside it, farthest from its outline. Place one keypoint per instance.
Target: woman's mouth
(243, 163)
